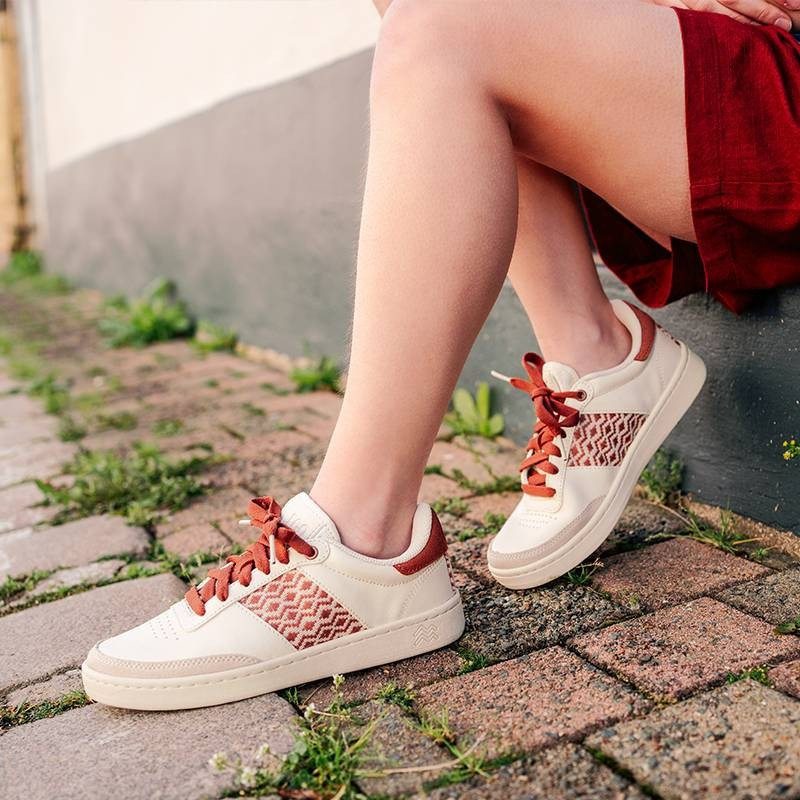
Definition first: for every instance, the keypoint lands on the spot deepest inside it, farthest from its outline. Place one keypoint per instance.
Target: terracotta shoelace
(552, 414)
(275, 542)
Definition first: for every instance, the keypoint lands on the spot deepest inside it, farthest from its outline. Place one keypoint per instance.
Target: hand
(783, 13)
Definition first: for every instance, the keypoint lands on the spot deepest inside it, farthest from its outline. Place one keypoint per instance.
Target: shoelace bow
(275, 542)
(552, 415)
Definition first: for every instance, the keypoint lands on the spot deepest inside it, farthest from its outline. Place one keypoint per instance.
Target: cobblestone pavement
(657, 673)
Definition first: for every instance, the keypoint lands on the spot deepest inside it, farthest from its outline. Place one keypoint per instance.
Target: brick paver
(531, 702)
(398, 758)
(679, 650)
(775, 598)
(672, 571)
(54, 636)
(68, 545)
(41, 460)
(411, 673)
(729, 742)
(502, 623)
(738, 741)
(50, 689)
(19, 507)
(102, 752)
(564, 772)
(786, 677)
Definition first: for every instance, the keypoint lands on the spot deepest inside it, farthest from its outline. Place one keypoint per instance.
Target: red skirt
(742, 86)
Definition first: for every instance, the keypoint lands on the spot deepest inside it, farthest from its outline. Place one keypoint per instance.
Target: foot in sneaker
(593, 437)
(296, 606)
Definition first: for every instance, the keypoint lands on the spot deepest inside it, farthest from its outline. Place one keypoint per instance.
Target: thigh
(594, 89)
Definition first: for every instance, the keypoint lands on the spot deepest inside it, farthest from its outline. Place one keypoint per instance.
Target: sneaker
(594, 436)
(295, 606)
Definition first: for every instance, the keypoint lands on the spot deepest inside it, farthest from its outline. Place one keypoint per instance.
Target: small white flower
(263, 751)
(218, 761)
(247, 777)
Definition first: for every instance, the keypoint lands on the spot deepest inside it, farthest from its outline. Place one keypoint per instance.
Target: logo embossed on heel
(426, 634)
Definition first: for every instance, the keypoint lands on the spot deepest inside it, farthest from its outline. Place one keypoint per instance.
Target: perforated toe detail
(163, 626)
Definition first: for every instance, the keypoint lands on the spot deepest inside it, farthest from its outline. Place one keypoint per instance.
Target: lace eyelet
(314, 554)
(582, 396)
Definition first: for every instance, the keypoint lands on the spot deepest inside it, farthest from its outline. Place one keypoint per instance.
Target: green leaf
(464, 406)
(483, 400)
(496, 425)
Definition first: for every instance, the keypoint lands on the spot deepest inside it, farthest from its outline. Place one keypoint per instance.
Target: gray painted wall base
(253, 207)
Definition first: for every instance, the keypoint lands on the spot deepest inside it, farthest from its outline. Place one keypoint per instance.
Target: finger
(717, 7)
(761, 11)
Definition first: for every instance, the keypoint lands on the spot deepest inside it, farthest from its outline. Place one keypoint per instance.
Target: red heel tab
(434, 549)
(648, 325)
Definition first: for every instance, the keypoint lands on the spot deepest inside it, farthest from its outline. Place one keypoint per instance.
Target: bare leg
(437, 231)
(552, 254)
(594, 91)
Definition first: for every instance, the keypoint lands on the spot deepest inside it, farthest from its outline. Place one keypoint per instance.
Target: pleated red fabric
(742, 87)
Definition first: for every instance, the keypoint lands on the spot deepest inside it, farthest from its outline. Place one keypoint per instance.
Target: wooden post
(15, 228)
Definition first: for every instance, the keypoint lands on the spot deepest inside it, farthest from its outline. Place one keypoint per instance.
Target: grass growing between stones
(497, 485)
(753, 673)
(790, 626)
(331, 751)
(467, 763)
(13, 587)
(324, 763)
(158, 316)
(164, 428)
(471, 661)
(582, 574)
(726, 537)
(662, 478)
(11, 716)
(396, 695)
(210, 338)
(450, 505)
(141, 486)
(313, 376)
(159, 561)
(25, 272)
(491, 525)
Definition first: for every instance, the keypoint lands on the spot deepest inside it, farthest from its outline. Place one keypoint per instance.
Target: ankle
(591, 344)
(371, 528)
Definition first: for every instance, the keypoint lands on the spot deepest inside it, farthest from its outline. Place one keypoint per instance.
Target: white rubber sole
(409, 637)
(689, 377)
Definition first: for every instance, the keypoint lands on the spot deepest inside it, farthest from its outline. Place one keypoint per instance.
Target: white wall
(114, 69)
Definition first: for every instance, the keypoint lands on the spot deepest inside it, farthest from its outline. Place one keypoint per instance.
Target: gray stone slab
(775, 598)
(47, 690)
(6, 384)
(68, 545)
(30, 431)
(54, 636)
(396, 744)
(19, 509)
(567, 772)
(95, 572)
(735, 742)
(18, 408)
(97, 752)
(39, 460)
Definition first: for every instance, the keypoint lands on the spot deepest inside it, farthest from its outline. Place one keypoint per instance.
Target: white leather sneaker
(593, 437)
(296, 606)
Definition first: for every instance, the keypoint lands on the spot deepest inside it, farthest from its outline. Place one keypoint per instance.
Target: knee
(420, 43)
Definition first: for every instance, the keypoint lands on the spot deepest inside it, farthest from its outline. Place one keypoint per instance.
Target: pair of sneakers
(298, 605)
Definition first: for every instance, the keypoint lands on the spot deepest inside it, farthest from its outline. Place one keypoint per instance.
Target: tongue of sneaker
(308, 520)
(559, 377)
